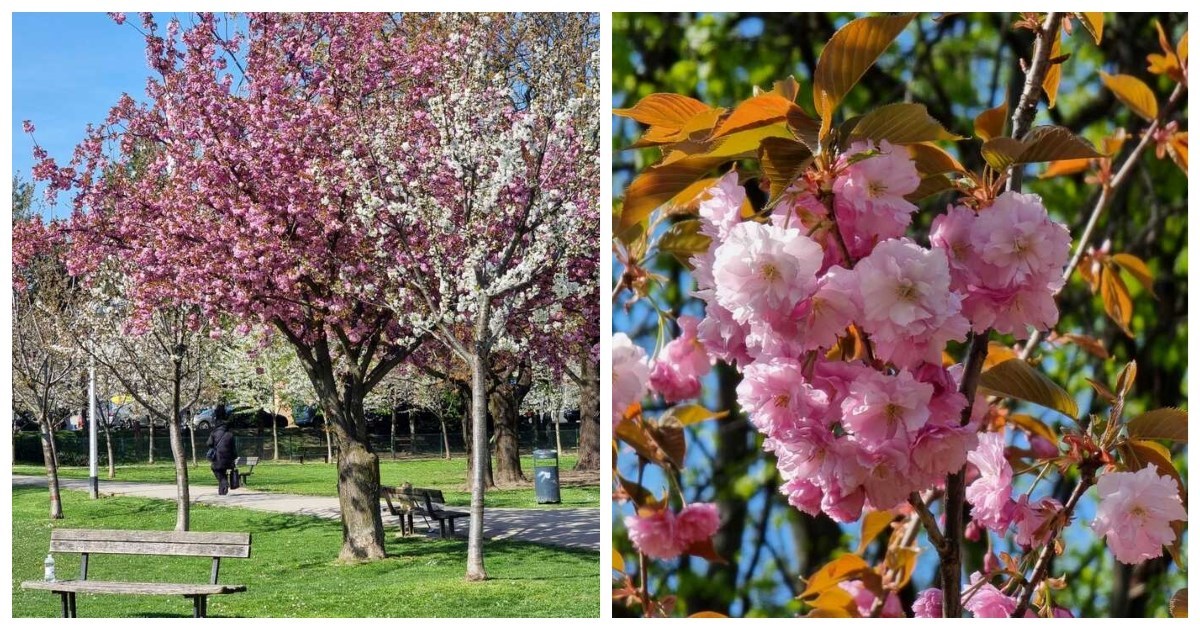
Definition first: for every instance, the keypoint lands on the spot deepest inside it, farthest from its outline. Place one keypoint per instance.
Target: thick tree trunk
(479, 441)
(589, 415)
(506, 416)
(358, 476)
(50, 456)
(183, 510)
(358, 495)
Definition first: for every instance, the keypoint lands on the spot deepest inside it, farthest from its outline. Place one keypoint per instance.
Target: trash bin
(545, 476)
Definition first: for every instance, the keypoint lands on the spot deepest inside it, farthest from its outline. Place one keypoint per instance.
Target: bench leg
(200, 606)
(74, 613)
(66, 605)
(452, 528)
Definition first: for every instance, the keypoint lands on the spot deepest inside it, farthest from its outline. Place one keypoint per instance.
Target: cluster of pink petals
(1007, 261)
(630, 373)
(663, 535)
(982, 599)
(780, 294)
(1135, 513)
(990, 495)
(864, 600)
(677, 371)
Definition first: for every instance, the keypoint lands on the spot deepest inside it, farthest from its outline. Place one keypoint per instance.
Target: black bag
(235, 479)
(211, 454)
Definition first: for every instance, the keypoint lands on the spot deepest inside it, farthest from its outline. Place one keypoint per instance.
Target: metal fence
(293, 445)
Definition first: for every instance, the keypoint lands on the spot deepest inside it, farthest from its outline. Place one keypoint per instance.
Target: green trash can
(545, 476)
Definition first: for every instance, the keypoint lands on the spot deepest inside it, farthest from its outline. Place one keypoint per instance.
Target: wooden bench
(249, 463)
(216, 545)
(425, 502)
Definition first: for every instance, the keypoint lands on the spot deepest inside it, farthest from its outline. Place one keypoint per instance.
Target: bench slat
(133, 588)
(125, 535)
(150, 548)
(115, 541)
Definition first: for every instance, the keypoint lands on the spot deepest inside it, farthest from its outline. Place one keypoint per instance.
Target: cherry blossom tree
(882, 359)
(485, 195)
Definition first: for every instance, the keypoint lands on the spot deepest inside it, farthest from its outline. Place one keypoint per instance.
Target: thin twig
(1107, 194)
(927, 520)
(1087, 476)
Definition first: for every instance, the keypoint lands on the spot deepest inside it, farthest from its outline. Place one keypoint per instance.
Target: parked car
(238, 417)
(307, 416)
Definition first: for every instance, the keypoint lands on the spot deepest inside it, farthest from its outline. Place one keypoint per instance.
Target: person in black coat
(224, 451)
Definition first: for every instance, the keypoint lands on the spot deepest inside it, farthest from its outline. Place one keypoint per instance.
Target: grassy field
(291, 572)
(321, 479)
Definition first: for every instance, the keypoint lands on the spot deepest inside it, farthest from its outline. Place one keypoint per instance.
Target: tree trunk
(328, 444)
(358, 495)
(445, 436)
(192, 439)
(558, 420)
(589, 415)
(479, 440)
(150, 450)
(468, 431)
(183, 511)
(394, 419)
(505, 416)
(108, 446)
(50, 456)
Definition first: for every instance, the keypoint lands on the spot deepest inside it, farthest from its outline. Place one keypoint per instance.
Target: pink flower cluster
(676, 373)
(780, 294)
(1135, 513)
(630, 372)
(663, 534)
(990, 496)
(1007, 261)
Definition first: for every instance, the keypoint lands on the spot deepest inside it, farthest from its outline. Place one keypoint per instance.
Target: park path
(576, 528)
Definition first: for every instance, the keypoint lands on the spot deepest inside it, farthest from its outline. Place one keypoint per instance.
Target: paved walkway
(577, 528)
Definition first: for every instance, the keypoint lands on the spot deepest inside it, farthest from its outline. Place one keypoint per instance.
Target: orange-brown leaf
(1053, 73)
(846, 57)
(1066, 167)
(659, 184)
(764, 109)
(990, 123)
(1115, 297)
(664, 110)
(1133, 92)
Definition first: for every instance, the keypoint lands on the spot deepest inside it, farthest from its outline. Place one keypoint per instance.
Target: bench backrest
(151, 543)
(427, 495)
(246, 461)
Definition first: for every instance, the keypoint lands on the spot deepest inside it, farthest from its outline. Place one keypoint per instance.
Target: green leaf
(1167, 423)
(684, 240)
(900, 123)
(782, 161)
(847, 56)
(1015, 378)
(1135, 94)
(1049, 143)
(1001, 152)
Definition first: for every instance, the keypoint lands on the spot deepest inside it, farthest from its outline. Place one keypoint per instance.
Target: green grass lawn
(291, 572)
(320, 479)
